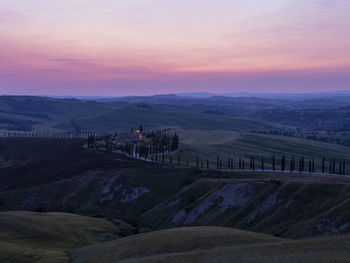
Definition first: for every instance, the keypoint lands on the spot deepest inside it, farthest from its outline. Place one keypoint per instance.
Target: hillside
(208, 244)
(281, 206)
(166, 242)
(65, 177)
(229, 144)
(45, 237)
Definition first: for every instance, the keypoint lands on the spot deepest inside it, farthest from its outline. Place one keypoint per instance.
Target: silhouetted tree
(174, 143)
(323, 164)
(262, 163)
(310, 166)
(283, 163)
(302, 163)
(207, 164)
(141, 128)
(273, 163)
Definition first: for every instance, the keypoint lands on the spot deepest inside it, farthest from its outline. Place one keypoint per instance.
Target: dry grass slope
(212, 244)
(172, 241)
(45, 237)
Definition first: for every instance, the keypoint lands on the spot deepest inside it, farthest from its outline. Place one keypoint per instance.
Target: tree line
(292, 164)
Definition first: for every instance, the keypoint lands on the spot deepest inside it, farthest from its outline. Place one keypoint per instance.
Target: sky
(144, 47)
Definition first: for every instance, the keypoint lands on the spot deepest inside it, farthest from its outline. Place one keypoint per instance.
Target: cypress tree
(207, 164)
(273, 163)
(283, 164)
(163, 157)
(231, 163)
(300, 166)
(262, 163)
(178, 160)
(253, 164)
(243, 164)
(313, 165)
(217, 162)
(291, 165)
(333, 165)
(344, 172)
(310, 167)
(323, 164)
(220, 165)
(302, 163)
(330, 167)
(240, 163)
(228, 163)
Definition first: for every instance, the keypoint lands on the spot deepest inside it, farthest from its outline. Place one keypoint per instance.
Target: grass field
(45, 237)
(212, 244)
(230, 144)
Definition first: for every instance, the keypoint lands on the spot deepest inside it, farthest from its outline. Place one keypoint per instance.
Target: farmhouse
(129, 137)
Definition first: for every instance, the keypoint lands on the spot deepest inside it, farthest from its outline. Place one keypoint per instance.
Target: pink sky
(140, 47)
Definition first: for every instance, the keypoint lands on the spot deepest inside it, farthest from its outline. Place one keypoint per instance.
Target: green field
(207, 145)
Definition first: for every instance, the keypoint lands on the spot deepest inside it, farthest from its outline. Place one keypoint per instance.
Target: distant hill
(71, 115)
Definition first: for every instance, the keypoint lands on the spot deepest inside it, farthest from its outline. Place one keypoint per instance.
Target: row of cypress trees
(293, 164)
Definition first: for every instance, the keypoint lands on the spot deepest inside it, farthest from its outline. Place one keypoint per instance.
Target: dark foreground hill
(211, 244)
(28, 237)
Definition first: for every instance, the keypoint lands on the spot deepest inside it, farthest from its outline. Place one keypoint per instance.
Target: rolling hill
(210, 244)
(45, 237)
(229, 144)
(71, 115)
